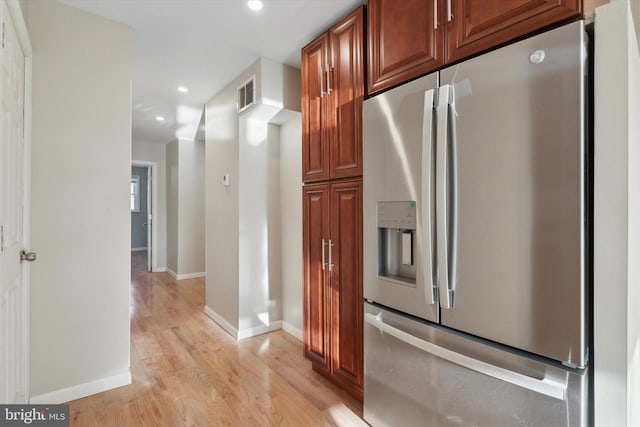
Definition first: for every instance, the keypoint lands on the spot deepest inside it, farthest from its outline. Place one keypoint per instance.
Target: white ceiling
(203, 45)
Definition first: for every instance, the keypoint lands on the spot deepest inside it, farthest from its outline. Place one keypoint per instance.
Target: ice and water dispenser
(397, 242)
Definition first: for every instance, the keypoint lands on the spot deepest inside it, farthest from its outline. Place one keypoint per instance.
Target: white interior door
(14, 170)
(149, 218)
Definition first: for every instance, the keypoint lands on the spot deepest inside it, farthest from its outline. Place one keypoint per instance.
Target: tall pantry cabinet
(332, 95)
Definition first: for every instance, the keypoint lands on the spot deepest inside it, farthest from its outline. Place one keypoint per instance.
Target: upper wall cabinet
(404, 41)
(332, 95)
(410, 38)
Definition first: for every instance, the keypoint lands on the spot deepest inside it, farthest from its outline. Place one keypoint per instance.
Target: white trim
(292, 330)
(21, 26)
(160, 270)
(191, 276)
(83, 390)
(171, 273)
(259, 330)
(220, 321)
(184, 276)
(154, 210)
(139, 249)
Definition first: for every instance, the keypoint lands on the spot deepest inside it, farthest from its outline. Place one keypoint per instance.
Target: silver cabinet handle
(435, 14)
(546, 386)
(321, 73)
(331, 265)
(323, 245)
(328, 79)
(426, 206)
(442, 219)
(449, 14)
(27, 256)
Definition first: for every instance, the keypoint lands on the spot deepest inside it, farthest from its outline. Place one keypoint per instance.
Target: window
(135, 194)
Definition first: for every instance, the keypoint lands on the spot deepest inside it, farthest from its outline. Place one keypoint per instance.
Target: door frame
(23, 37)
(153, 166)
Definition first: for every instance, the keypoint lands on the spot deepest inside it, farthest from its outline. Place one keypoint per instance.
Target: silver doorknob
(27, 256)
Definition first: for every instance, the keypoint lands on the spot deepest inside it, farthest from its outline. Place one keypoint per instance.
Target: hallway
(187, 371)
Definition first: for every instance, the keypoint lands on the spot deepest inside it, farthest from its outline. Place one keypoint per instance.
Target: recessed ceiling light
(255, 4)
(182, 89)
(160, 118)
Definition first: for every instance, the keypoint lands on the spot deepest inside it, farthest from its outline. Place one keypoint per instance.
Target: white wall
(191, 208)
(156, 153)
(243, 241)
(185, 208)
(617, 218)
(173, 189)
(222, 215)
(81, 164)
(291, 224)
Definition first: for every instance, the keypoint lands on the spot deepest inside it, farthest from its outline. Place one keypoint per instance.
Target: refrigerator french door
(476, 224)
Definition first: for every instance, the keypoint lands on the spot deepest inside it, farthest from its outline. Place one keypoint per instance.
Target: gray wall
(138, 219)
(80, 218)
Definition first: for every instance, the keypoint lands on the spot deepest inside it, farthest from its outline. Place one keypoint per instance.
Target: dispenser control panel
(400, 215)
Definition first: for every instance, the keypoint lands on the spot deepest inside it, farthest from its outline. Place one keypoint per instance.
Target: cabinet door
(346, 285)
(346, 87)
(315, 222)
(478, 25)
(315, 145)
(405, 41)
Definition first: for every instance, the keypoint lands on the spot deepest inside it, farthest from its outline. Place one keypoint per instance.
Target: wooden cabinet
(403, 42)
(333, 304)
(332, 95)
(410, 38)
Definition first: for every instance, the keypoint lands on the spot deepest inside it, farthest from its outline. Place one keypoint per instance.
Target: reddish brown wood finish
(478, 25)
(403, 43)
(333, 304)
(346, 87)
(315, 135)
(332, 95)
(316, 221)
(346, 286)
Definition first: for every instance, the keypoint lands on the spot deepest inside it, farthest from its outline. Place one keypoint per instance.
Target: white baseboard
(160, 270)
(242, 333)
(184, 276)
(259, 330)
(220, 321)
(138, 249)
(191, 276)
(82, 390)
(292, 330)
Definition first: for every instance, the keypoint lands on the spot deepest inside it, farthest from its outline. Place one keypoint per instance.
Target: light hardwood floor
(187, 371)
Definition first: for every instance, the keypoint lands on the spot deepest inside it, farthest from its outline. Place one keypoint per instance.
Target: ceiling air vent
(247, 94)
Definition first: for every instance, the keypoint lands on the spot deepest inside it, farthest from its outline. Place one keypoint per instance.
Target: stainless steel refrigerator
(476, 241)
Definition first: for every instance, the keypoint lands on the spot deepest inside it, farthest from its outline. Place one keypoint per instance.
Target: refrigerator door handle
(426, 196)
(546, 386)
(442, 199)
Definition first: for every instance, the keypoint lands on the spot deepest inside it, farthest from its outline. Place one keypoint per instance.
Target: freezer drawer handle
(545, 386)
